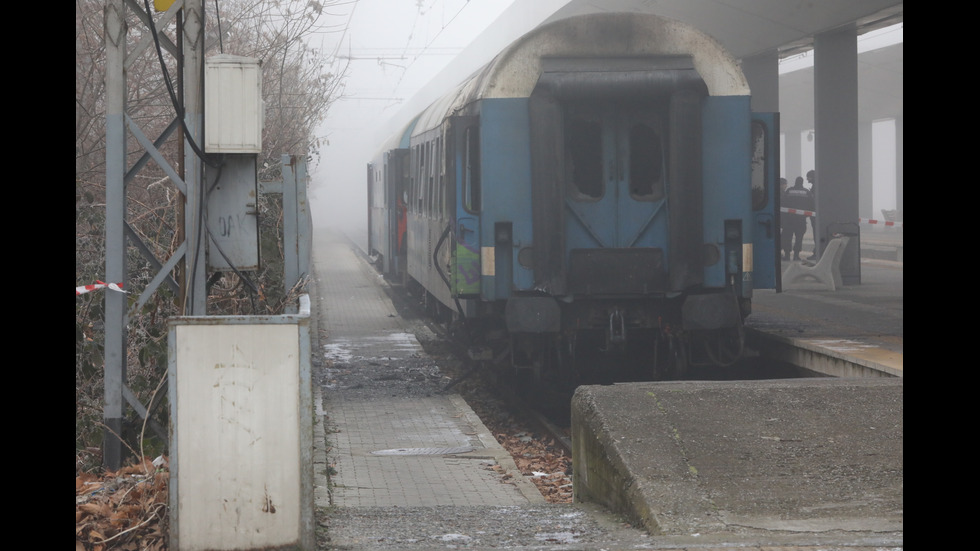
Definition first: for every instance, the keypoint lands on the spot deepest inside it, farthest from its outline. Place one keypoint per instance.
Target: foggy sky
(399, 50)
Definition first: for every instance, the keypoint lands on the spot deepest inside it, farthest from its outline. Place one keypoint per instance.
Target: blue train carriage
(600, 186)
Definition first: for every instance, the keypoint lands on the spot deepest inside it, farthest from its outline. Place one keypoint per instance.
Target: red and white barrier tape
(98, 285)
(798, 211)
(882, 222)
(860, 220)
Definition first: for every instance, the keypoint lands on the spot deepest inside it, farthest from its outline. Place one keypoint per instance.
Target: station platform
(400, 464)
(391, 443)
(855, 330)
(800, 463)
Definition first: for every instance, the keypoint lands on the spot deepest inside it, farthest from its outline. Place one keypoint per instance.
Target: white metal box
(233, 112)
(241, 442)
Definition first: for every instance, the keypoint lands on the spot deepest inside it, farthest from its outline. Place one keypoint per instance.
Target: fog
(402, 55)
(399, 58)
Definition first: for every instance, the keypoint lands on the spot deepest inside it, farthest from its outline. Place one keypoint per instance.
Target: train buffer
(826, 270)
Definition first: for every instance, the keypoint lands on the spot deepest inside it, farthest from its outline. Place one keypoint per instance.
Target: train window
(471, 170)
(646, 163)
(415, 178)
(583, 158)
(760, 195)
(431, 199)
(443, 211)
(440, 171)
(420, 199)
(411, 195)
(431, 192)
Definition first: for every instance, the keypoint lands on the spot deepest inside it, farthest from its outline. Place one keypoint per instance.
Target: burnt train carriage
(601, 185)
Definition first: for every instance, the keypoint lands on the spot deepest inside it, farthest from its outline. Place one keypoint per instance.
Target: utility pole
(115, 235)
(193, 101)
(120, 128)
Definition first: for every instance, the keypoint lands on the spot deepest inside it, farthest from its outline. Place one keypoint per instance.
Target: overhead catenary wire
(427, 46)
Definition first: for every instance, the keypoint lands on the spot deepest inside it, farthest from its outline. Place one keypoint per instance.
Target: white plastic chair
(827, 269)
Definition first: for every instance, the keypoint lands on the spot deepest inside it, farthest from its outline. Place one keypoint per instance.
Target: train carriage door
(765, 201)
(397, 174)
(615, 176)
(465, 159)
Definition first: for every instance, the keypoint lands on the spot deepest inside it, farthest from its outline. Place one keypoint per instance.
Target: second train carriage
(600, 187)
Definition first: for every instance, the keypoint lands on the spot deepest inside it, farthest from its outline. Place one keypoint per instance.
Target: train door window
(760, 187)
(646, 176)
(471, 170)
(583, 158)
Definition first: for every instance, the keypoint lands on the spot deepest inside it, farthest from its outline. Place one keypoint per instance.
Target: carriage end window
(583, 158)
(646, 163)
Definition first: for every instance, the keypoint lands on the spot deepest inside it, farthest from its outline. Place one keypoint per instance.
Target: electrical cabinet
(233, 109)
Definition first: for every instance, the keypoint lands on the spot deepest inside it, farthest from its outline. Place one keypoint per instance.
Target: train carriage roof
(515, 72)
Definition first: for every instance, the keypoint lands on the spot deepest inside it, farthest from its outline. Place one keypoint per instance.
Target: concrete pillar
(899, 164)
(762, 72)
(865, 171)
(792, 122)
(835, 101)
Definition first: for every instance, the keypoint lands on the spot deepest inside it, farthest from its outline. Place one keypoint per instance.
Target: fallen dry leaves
(538, 457)
(543, 462)
(124, 510)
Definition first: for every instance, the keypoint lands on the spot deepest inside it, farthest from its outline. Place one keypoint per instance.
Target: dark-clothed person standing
(794, 225)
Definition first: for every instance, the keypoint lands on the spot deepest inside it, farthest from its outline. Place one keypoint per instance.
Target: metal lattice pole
(119, 127)
(115, 329)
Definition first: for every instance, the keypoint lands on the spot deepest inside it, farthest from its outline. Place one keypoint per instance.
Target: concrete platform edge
(321, 480)
(804, 353)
